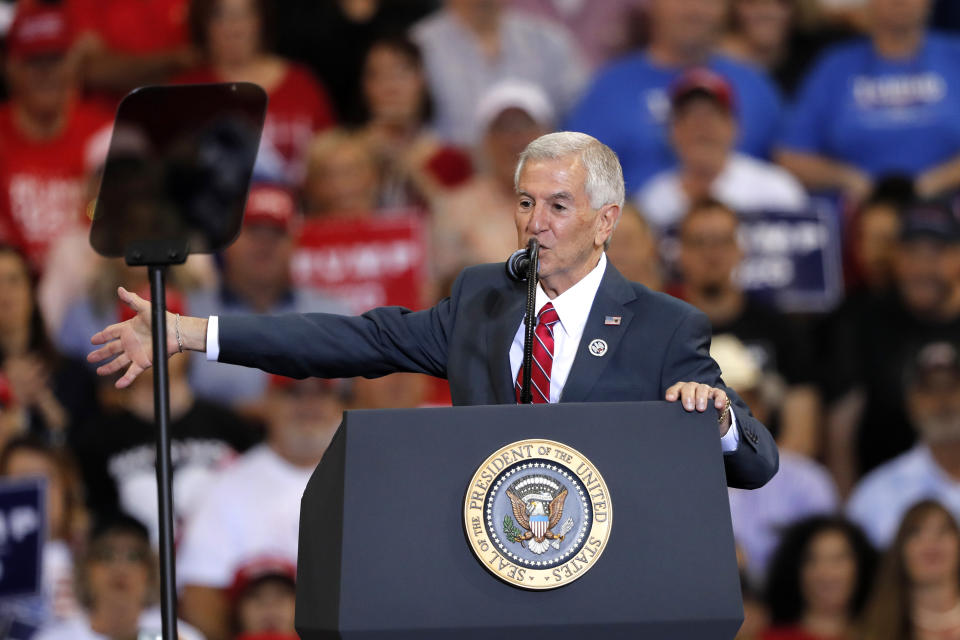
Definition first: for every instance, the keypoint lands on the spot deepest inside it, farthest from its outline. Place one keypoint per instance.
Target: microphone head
(517, 265)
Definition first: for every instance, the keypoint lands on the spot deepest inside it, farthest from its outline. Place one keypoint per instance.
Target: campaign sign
(791, 260)
(23, 527)
(367, 263)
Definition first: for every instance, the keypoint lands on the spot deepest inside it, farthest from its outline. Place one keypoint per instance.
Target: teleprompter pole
(161, 410)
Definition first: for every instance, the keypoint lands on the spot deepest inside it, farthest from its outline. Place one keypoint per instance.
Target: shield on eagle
(539, 525)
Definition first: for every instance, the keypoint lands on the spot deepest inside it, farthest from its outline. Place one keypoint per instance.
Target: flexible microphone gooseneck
(524, 264)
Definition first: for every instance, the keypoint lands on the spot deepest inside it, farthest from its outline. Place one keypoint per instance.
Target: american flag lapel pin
(612, 321)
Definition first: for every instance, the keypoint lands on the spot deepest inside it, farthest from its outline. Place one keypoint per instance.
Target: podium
(385, 553)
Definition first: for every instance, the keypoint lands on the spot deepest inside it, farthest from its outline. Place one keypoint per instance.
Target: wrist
(725, 418)
(193, 334)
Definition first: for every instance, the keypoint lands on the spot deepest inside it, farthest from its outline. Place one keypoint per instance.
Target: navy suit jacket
(466, 339)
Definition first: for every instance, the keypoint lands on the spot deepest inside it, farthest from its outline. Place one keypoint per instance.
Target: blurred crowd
(724, 113)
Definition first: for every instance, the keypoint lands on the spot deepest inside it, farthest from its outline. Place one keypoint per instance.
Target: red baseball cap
(270, 205)
(703, 81)
(259, 569)
(39, 30)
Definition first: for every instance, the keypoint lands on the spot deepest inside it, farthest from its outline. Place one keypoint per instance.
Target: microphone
(518, 264)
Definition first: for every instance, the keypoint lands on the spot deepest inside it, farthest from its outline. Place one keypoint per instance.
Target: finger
(688, 395)
(133, 301)
(114, 365)
(673, 392)
(131, 374)
(108, 350)
(719, 399)
(110, 333)
(703, 394)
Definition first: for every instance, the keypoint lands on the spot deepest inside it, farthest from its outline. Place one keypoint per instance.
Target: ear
(607, 220)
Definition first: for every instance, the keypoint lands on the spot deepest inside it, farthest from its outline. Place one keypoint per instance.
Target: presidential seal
(537, 514)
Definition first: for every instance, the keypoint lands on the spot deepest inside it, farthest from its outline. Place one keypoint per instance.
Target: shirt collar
(573, 305)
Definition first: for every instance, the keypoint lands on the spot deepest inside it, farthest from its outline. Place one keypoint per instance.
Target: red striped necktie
(542, 357)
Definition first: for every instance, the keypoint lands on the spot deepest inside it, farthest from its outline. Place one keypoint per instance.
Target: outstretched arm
(382, 341)
(130, 343)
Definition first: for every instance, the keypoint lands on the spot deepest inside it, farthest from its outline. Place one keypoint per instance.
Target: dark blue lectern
(384, 552)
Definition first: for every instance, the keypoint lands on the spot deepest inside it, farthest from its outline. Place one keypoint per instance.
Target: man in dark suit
(599, 337)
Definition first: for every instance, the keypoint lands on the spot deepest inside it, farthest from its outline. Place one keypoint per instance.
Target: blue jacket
(466, 339)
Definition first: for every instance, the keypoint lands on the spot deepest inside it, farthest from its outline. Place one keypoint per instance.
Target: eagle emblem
(537, 503)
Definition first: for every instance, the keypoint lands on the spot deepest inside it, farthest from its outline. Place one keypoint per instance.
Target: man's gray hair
(604, 174)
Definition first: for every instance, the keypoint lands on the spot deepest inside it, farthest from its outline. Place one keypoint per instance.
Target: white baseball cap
(515, 94)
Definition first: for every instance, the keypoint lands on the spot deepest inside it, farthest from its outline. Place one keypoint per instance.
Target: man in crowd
(709, 257)
(117, 451)
(931, 469)
(470, 45)
(868, 421)
(569, 195)
(47, 137)
(703, 132)
(256, 279)
(263, 597)
(253, 509)
(628, 106)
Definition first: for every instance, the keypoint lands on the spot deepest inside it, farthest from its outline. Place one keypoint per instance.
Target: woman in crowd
(415, 166)
(881, 106)
(26, 457)
(917, 594)
(117, 584)
(41, 392)
(819, 580)
(232, 34)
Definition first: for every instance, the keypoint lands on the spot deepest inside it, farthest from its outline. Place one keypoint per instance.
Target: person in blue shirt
(885, 105)
(628, 105)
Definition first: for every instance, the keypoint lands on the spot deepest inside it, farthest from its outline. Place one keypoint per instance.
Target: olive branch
(511, 531)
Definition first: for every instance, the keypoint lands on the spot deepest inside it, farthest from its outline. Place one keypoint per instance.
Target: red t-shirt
(793, 633)
(132, 26)
(42, 188)
(298, 108)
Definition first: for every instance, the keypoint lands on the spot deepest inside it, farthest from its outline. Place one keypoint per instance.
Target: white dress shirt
(573, 308)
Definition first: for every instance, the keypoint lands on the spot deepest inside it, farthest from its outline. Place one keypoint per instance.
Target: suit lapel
(613, 294)
(500, 334)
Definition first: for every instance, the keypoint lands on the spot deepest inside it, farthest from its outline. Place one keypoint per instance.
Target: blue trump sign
(22, 535)
(791, 260)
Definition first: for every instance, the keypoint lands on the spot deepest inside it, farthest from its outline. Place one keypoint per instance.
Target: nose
(538, 219)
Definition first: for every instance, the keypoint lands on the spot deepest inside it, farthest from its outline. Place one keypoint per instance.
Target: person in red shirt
(123, 44)
(819, 580)
(48, 139)
(232, 36)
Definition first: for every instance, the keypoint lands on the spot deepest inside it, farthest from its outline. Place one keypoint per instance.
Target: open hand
(698, 396)
(130, 342)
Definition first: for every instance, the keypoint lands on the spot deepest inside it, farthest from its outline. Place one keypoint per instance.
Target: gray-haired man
(600, 337)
